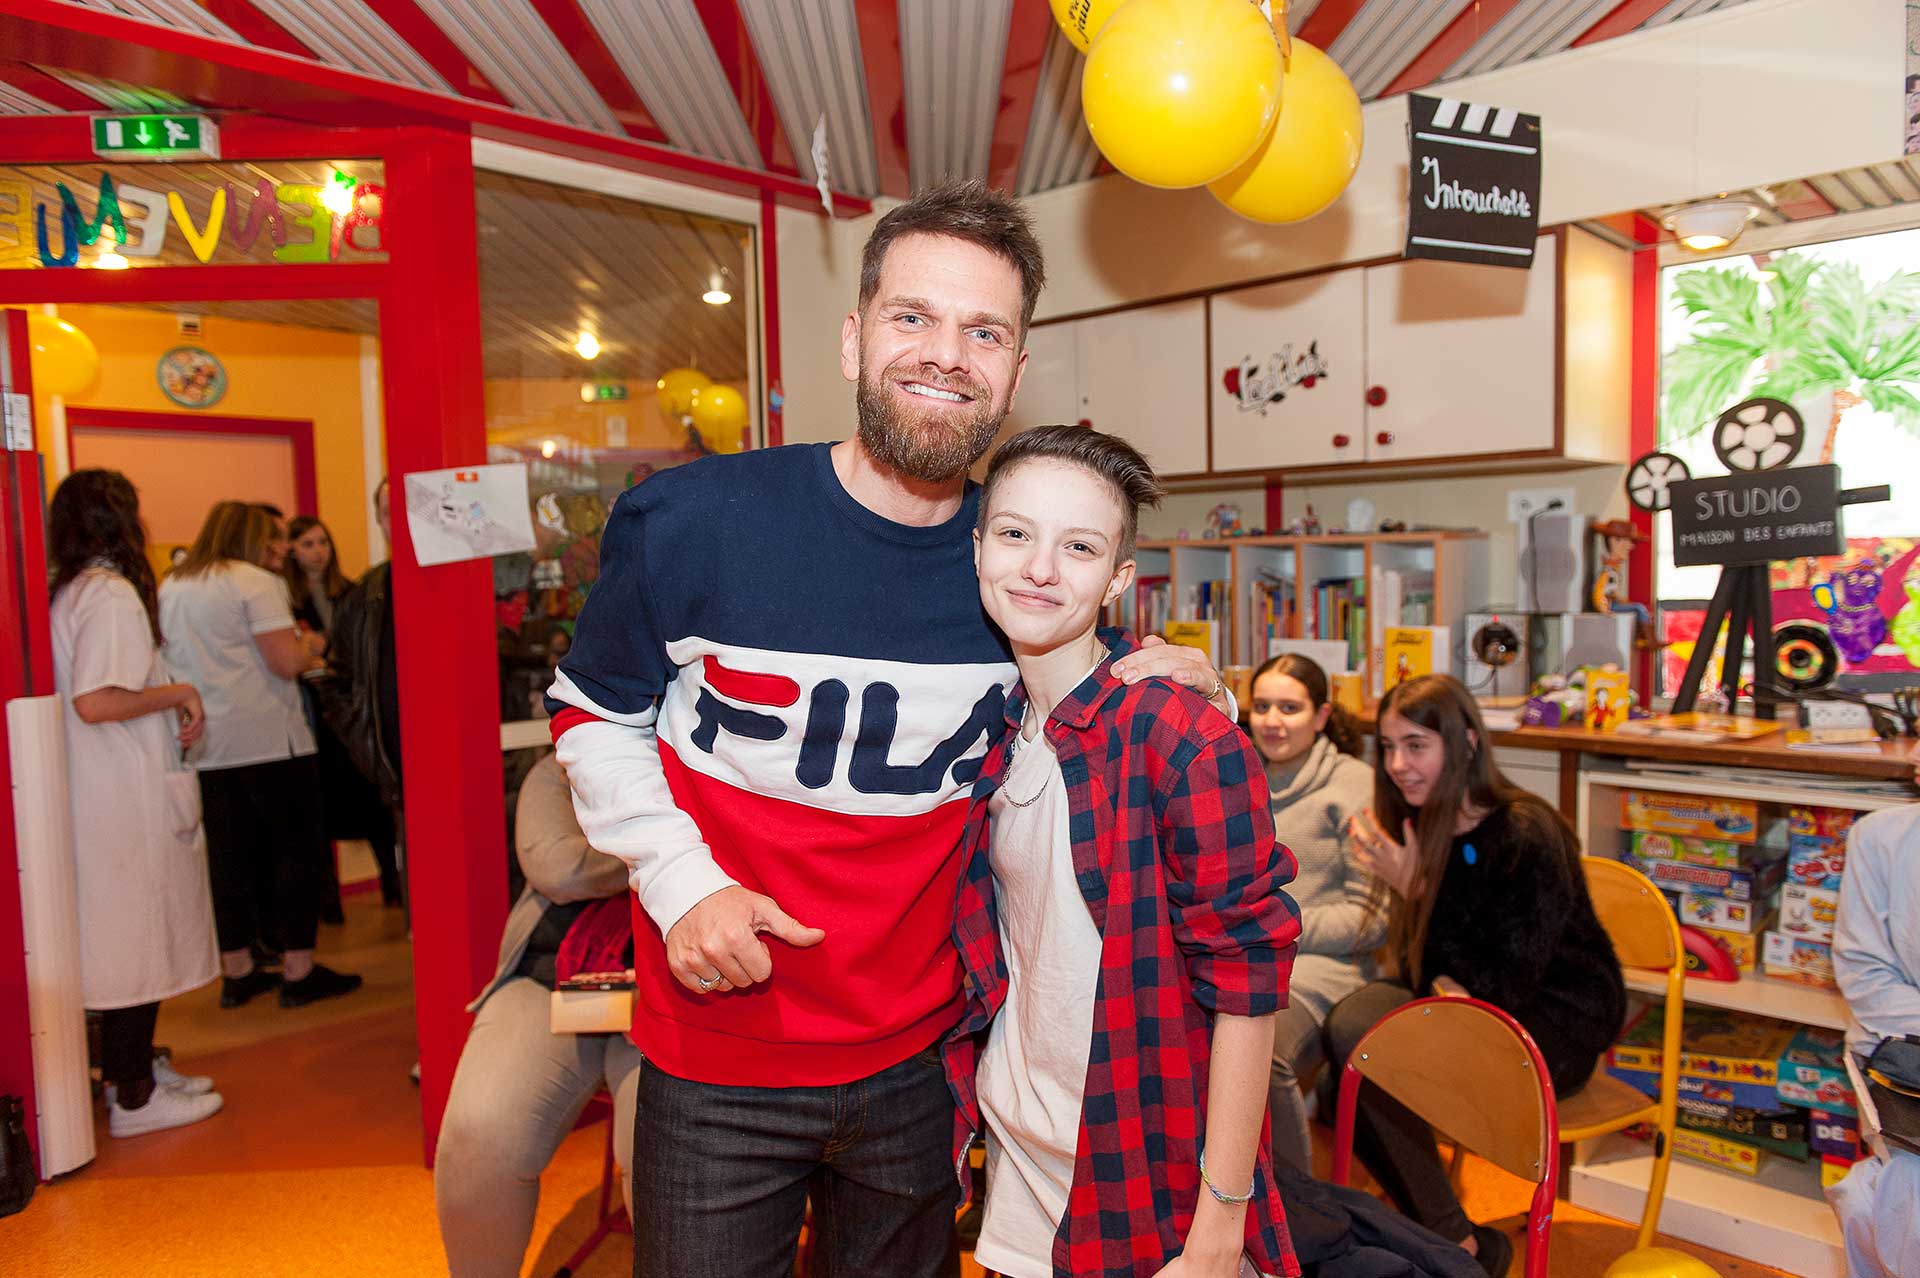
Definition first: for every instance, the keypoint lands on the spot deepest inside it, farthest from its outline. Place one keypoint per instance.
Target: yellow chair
(1645, 934)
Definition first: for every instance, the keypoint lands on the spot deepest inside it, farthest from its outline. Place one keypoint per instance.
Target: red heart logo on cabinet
(1231, 380)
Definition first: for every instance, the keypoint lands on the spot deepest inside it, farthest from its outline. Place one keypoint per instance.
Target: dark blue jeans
(721, 1176)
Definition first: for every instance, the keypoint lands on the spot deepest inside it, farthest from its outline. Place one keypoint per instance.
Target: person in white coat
(146, 921)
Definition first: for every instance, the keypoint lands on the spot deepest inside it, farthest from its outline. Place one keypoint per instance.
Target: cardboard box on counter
(1779, 1131)
(1808, 911)
(1729, 1057)
(1691, 815)
(1833, 1135)
(1834, 1170)
(1744, 884)
(1821, 822)
(1742, 947)
(1813, 1074)
(1797, 959)
(1717, 1151)
(1725, 853)
(1718, 913)
(1816, 862)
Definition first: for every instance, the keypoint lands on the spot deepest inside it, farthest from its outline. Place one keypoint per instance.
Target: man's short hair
(1107, 457)
(970, 211)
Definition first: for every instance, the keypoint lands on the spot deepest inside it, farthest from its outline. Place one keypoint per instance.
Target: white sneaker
(165, 1075)
(164, 1109)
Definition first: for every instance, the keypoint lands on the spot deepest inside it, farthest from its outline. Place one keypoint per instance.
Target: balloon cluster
(64, 359)
(717, 413)
(1182, 93)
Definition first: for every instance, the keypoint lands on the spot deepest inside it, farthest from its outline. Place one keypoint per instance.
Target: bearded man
(779, 693)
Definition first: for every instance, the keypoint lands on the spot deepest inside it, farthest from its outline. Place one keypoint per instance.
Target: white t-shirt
(210, 621)
(1033, 1074)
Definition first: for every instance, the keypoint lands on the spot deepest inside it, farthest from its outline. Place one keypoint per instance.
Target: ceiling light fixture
(588, 347)
(1706, 225)
(547, 448)
(336, 196)
(716, 294)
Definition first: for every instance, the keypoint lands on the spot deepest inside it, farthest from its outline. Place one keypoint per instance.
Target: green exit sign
(610, 390)
(164, 137)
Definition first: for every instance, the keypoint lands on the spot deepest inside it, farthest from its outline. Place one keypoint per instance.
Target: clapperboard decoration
(1474, 182)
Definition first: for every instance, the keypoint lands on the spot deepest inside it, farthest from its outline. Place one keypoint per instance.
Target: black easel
(1743, 601)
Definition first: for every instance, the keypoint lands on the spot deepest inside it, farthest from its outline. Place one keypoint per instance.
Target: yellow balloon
(1180, 92)
(1081, 20)
(1659, 1262)
(64, 359)
(677, 387)
(720, 414)
(1308, 159)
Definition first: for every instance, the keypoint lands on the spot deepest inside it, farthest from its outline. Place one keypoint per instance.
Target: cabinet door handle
(1341, 441)
(1384, 438)
(1087, 422)
(1376, 396)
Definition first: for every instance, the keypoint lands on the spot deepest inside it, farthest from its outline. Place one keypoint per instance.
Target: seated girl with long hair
(1487, 900)
(1121, 922)
(1317, 783)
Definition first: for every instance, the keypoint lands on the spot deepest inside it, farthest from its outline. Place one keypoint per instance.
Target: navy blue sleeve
(618, 666)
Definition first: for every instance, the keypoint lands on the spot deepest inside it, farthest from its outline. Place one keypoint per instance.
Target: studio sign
(1473, 193)
(1757, 517)
(1254, 384)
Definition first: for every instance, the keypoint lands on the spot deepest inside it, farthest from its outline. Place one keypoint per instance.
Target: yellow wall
(273, 370)
(530, 410)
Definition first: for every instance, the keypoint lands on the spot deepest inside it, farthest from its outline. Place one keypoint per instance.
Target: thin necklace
(1013, 752)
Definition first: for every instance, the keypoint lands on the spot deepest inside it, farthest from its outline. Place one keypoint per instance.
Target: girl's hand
(1188, 1265)
(1380, 854)
(193, 716)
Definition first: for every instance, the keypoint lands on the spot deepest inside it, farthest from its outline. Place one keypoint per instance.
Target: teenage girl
(1121, 922)
(1317, 784)
(1487, 900)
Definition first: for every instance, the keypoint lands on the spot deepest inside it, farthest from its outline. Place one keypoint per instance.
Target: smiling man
(778, 696)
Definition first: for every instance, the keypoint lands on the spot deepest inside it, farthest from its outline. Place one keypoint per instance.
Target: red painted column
(443, 616)
(1643, 422)
(1276, 518)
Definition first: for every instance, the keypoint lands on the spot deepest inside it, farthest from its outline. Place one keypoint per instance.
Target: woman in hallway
(146, 928)
(230, 630)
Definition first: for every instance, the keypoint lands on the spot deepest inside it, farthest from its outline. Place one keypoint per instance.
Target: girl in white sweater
(1317, 781)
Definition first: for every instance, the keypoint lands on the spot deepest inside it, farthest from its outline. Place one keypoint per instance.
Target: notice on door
(468, 512)
(1473, 185)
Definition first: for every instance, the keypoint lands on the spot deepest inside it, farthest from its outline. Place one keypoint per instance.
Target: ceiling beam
(431, 43)
(1465, 31)
(583, 44)
(256, 27)
(1029, 26)
(220, 74)
(886, 92)
(1622, 18)
(733, 46)
(1328, 19)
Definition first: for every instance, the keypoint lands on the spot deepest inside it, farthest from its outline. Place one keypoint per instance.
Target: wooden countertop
(1894, 762)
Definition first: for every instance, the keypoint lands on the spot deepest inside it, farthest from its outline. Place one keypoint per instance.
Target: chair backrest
(1636, 917)
(1473, 1074)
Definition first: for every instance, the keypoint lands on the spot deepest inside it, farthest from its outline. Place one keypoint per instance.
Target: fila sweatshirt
(771, 685)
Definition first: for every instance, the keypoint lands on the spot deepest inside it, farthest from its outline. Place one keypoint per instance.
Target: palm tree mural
(1803, 327)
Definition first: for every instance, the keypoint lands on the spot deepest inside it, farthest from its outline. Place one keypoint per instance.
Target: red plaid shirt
(1174, 850)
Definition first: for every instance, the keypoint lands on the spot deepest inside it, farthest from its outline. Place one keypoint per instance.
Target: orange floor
(313, 1169)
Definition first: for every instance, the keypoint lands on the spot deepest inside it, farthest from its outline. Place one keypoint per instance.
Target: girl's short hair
(1107, 456)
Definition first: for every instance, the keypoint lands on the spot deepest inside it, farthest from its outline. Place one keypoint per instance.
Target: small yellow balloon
(677, 387)
(1081, 20)
(720, 415)
(1308, 159)
(1659, 1262)
(1180, 92)
(65, 361)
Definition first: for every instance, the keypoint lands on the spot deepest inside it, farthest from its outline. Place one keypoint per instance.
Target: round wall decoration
(191, 377)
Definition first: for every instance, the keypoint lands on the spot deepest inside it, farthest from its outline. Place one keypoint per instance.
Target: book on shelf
(1340, 612)
(1152, 605)
(1272, 604)
(1699, 726)
(1213, 601)
(1409, 651)
(1834, 740)
(1395, 597)
(1204, 635)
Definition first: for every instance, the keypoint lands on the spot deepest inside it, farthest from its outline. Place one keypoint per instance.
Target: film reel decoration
(1650, 480)
(1805, 656)
(1758, 434)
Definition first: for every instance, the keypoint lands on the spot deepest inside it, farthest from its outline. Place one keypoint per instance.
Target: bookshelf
(1309, 587)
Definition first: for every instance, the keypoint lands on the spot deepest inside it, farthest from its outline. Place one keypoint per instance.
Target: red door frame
(297, 431)
(429, 309)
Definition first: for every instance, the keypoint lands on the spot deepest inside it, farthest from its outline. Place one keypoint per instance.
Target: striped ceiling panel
(184, 15)
(1385, 36)
(346, 33)
(1059, 150)
(952, 56)
(521, 56)
(661, 46)
(810, 52)
(115, 95)
(15, 101)
(1531, 29)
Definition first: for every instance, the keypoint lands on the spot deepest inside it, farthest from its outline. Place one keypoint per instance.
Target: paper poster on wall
(469, 512)
(1473, 188)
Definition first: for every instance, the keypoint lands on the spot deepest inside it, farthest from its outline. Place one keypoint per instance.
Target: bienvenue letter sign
(1473, 190)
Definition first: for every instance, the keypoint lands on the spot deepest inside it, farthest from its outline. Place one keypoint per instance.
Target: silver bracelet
(1231, 1200)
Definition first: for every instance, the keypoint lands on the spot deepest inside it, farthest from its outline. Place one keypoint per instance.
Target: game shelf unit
(1780, 1217)
(1257, 588)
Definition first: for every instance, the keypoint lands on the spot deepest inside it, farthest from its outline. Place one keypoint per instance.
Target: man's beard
(933, 446)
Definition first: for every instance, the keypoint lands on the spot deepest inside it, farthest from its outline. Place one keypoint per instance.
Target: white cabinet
(1462, 358)
(1049, 390)
(1289, 372)
(1141, 377)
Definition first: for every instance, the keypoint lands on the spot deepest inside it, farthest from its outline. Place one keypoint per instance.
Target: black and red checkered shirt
(1174, 851)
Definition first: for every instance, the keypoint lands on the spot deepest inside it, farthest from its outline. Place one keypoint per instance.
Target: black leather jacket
(358, 697)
